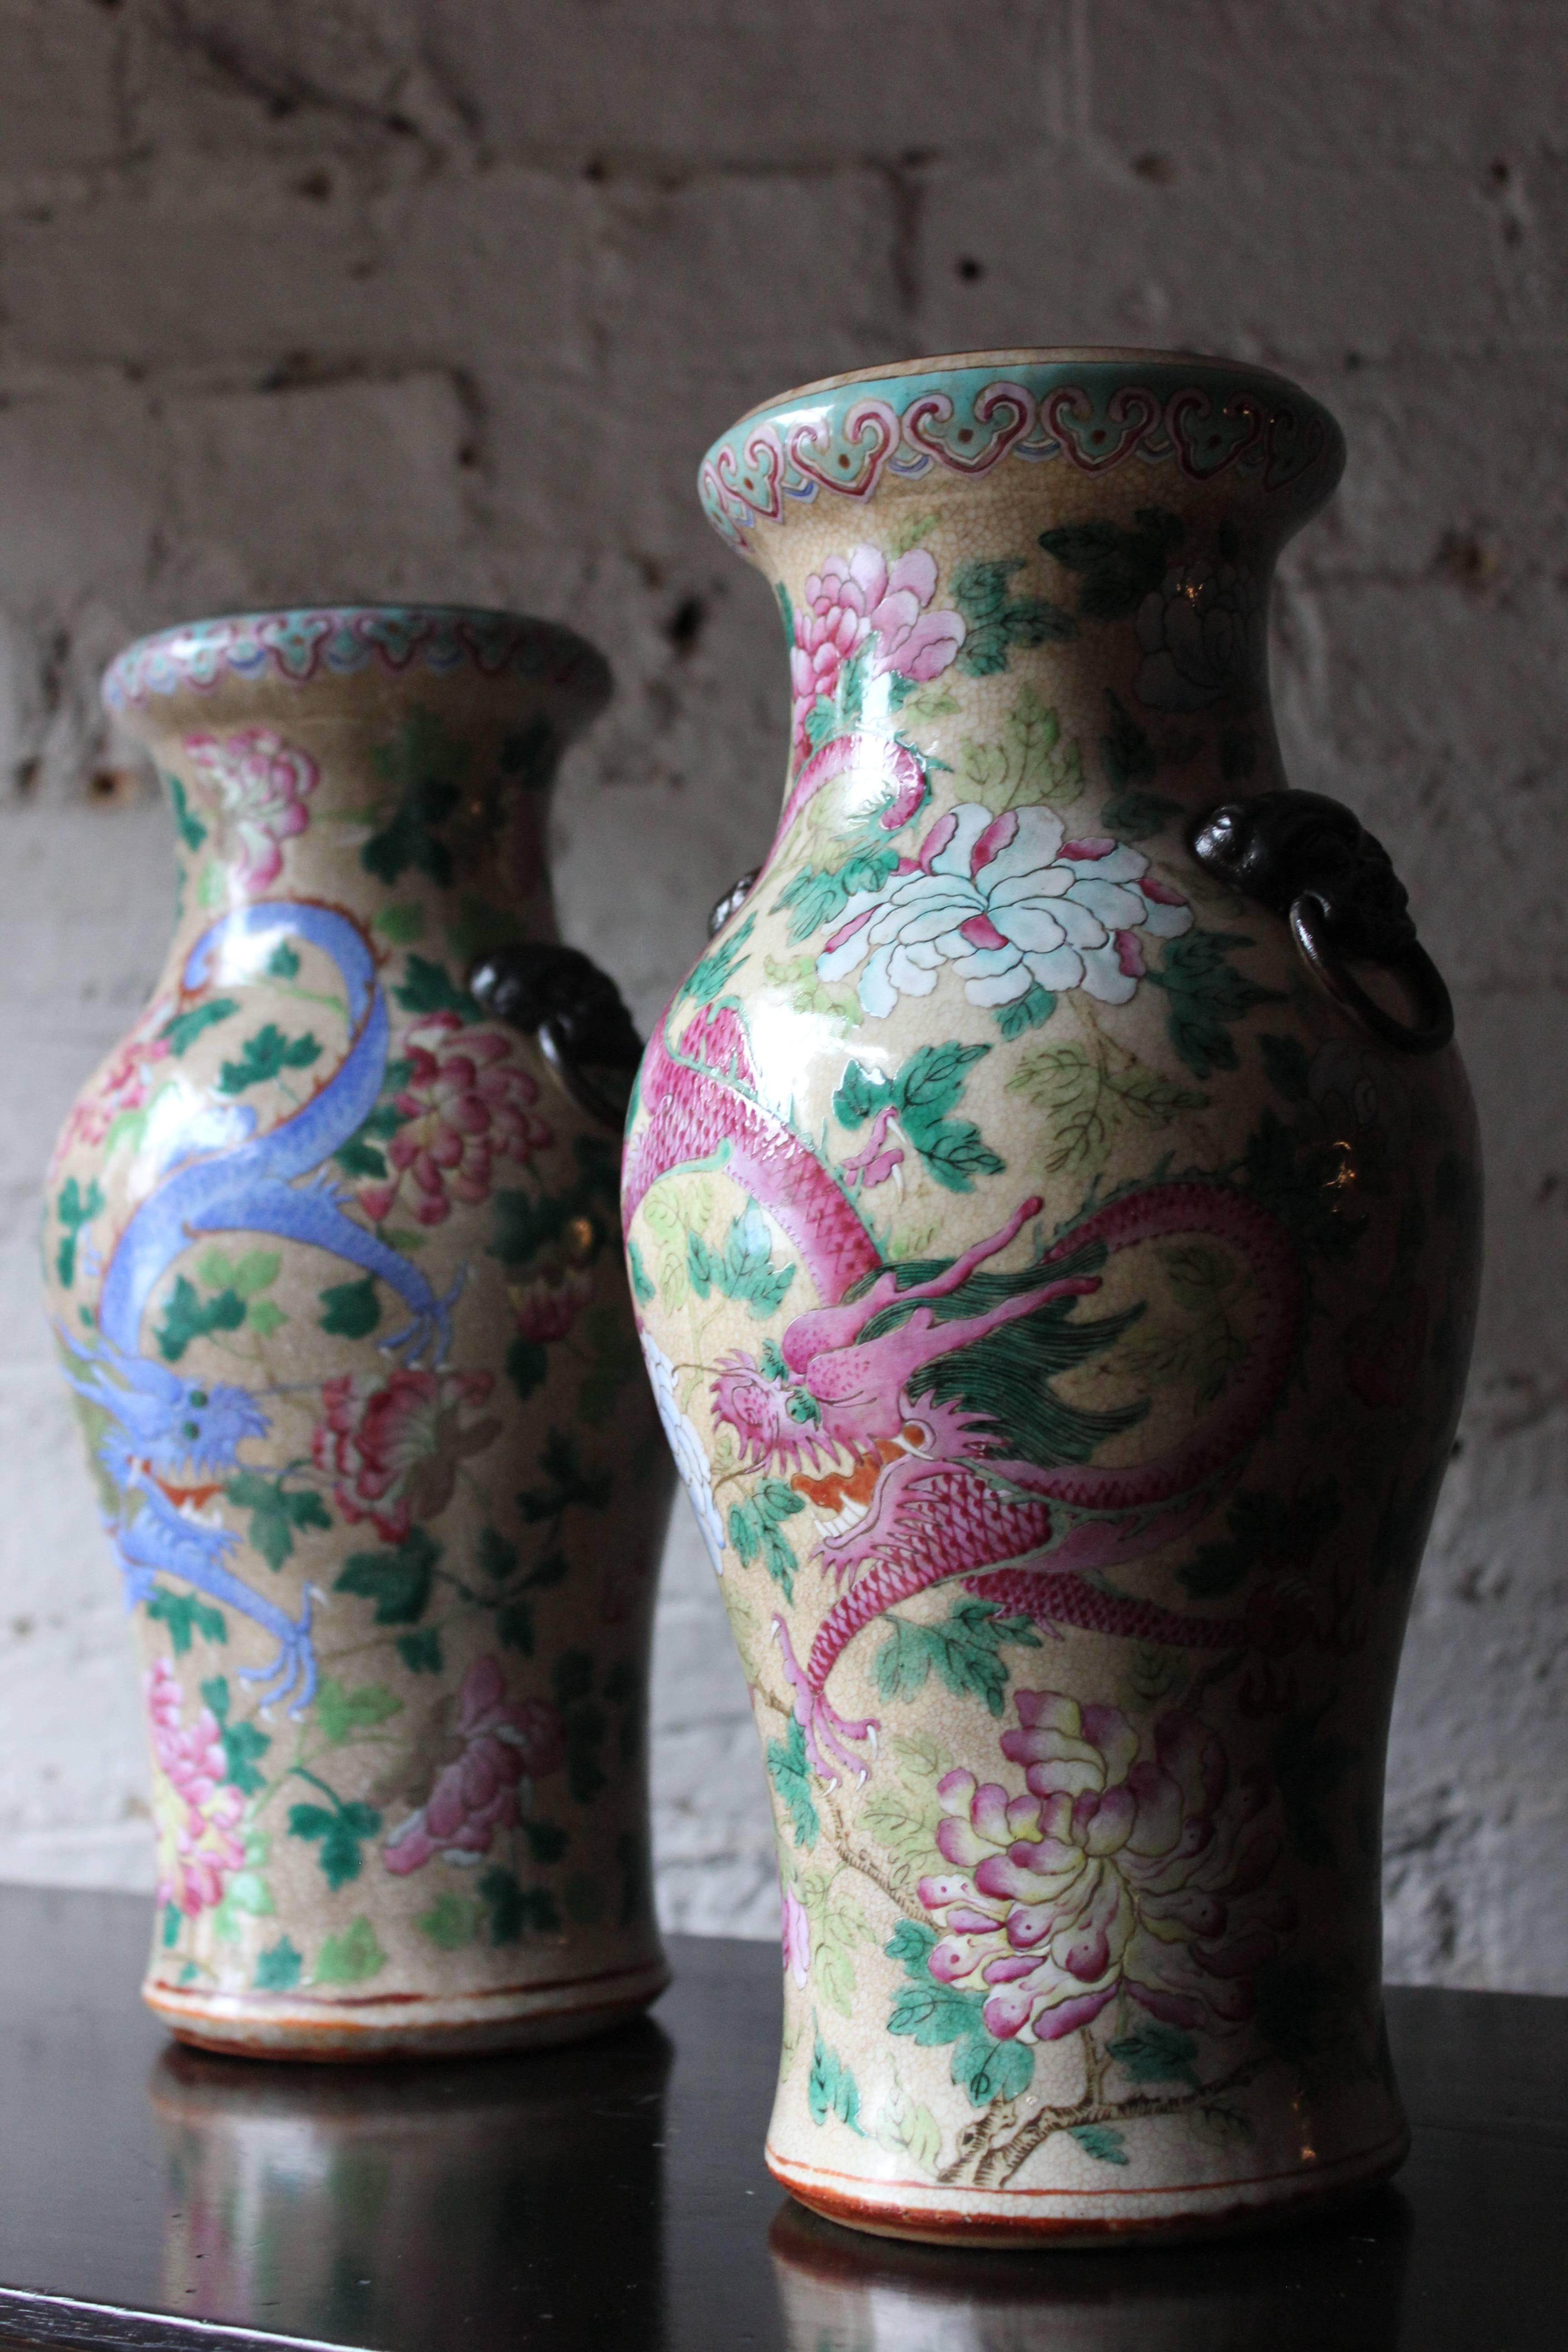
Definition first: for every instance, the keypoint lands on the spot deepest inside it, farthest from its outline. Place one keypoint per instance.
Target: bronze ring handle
(1434, 1026)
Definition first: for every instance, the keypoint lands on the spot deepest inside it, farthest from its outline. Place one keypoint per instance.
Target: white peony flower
(686, 1447)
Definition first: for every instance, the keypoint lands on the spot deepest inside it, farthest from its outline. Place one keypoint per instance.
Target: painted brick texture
(315, 298)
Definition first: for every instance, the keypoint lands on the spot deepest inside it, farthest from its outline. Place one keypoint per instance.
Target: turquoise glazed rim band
(1093, 410)
(300, 643)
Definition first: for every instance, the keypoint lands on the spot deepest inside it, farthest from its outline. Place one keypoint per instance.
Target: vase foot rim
(410, 2025)
(1253, 2205)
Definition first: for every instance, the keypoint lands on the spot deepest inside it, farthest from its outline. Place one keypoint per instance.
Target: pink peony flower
(855, 598)
(123, 1085)
(393, 1447)
(261, 783)
(796, 1932)
(547, 1310)
(1113, 1874)
(500, 1749)
(462, 1105)
(196, 1810)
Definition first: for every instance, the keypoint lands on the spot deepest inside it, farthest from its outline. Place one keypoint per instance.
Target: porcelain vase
(1052, 1206)
(330, 1247)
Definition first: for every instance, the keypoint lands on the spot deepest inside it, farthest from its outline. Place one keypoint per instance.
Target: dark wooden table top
(615, 2195)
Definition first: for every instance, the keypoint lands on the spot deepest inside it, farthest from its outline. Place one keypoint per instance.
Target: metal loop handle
(1434, 1027)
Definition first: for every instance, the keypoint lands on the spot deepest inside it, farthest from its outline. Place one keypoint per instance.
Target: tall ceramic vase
(329, 1252)
(1052, 1206)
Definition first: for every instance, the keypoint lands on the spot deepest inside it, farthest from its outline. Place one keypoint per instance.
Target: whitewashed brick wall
(312, 299)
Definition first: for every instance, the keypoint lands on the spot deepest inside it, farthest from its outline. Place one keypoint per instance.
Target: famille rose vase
(330, 1253)
(1052, 1208)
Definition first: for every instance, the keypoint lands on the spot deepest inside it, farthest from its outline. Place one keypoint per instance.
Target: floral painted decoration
(198, 1809)
(1012, 904)
(262, 784)
(462, 1105)
(393, 1447)
(503, 1748)
(858, 600)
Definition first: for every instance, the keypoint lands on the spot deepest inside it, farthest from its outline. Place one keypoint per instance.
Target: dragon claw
(821, 1727)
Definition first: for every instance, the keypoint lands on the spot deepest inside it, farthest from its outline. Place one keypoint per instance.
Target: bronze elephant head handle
(560, 995)
(1311, 860)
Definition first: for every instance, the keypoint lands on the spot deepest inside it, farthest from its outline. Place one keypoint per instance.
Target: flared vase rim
(1132, 357)
(1088, 409)
(294, 644)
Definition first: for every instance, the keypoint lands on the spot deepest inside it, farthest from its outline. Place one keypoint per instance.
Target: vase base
(927, 2216)
(295, 2028)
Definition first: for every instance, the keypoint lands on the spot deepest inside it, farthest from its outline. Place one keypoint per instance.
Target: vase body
(1057, 1282)
(330, 1256)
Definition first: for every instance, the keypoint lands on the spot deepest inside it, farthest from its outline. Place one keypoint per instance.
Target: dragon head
(777, 1421)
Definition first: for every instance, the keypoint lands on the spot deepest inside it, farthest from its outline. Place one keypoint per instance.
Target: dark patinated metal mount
(560, 996)
(1311, 861)
(734, 898)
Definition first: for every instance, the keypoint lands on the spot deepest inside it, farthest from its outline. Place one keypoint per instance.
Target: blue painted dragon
(169, 1439)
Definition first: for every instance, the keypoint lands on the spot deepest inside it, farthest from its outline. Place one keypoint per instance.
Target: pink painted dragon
(907, 1374)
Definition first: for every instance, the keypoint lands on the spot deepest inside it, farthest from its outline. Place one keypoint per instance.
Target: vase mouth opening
(294, 645)
(1133, 357)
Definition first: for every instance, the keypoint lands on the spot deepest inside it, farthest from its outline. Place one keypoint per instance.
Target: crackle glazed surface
(1058, 1308)
(330, 1260)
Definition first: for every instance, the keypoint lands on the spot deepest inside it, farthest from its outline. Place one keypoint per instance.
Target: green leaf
(1031, 765)
(340, 1712)
(398, 1581)
(351, 1310)
(1286, 1066)
(1205, 995)
(267, 1056)
(277, 1515)
(242, 1742)
(831, 2089)
(180, 1034)
(1030, 1011)
(401, 925)
(1126, 753)
(754, 1525)
(527, 1366)
(1134, 815)
(743, 1269)
(932, 2013)
(1085, 1099)
(452, 1921)
(546, 1840)
(818, 896)
(921, 1095)
(712, 974)
(642, 1288)
(190, 828)
(1117, 565)
(513, 1909)
(585, 1775)
(357, 1157)
(568, 1482)
(963, 1651)
(283, 963)
(421, 1653)
(989, 2069)
(264, 1316)
(1102, 2141)
(188, 1316)
(494, 1556)
(351, 1957)
(1157, 2054)
(184, 1615)
(514, 1627)
(426, 767)
(426, 987)
(787, 1770)
(338, 1833)
(278, 1969)
(996, 620)
(74, 1209)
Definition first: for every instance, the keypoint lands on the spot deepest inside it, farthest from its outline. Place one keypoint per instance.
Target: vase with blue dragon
(1051, 1203)
(331, 1261)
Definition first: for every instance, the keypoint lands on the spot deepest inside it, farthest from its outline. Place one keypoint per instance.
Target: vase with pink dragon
(1052, 1204)
(332, 1263)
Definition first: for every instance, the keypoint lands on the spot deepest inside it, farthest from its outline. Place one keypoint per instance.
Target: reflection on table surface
(841, 2291)
(343, 2203)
